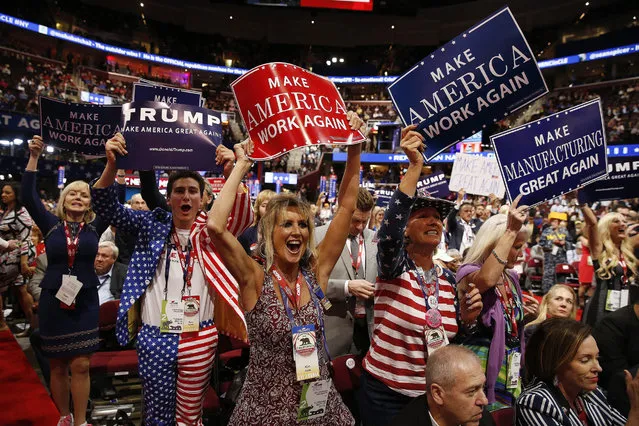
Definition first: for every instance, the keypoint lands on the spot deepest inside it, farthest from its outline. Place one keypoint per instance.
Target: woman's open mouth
(294, 246)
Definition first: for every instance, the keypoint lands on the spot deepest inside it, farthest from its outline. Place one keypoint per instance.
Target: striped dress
(397, 356)
(542, 404)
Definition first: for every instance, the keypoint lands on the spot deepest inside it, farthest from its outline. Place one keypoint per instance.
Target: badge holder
(191, 314)
(313, 399)
(68, 291)
(514, 367)
(172, 318)
(305, 352)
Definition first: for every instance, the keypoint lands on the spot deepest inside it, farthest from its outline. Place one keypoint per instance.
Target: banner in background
(477, 78)
(622, 182)
(553, 155)
(81, 128)
(285, 107)
(436, 185)
(145, 92)
(476, 175)
(383, 196)
(182, 137)
(15, 122)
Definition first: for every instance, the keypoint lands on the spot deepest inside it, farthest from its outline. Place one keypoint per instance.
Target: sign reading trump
(553, 155)
(285, 107)
(477, 78)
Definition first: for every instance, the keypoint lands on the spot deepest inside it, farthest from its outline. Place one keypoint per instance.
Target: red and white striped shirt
(397, 356)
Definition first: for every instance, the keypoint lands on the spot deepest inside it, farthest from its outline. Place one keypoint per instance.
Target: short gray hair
(112, 246)
(441, 365)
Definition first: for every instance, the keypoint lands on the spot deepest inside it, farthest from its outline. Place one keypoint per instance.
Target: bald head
(138, 203)
(444, 365)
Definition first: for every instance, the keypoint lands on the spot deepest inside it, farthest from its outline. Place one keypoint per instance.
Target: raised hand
(516, 215)
(225, 157)
(114, 147)
(36, 146)
(412, 144)
(471, 305)
(355, 122)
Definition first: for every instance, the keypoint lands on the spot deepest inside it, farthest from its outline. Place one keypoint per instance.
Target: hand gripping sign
(285, 107)
(476, 79)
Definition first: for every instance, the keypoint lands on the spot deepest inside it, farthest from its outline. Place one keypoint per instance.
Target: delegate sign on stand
(479, 77)
(435, 185)
(183, 137)
(622, 182)
(285, 107)
(476, 175)
(553, 155)
(81, 128)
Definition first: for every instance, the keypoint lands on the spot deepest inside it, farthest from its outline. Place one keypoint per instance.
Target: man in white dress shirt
(110, 273)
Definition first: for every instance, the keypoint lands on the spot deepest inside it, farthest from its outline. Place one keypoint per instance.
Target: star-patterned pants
(175, 371)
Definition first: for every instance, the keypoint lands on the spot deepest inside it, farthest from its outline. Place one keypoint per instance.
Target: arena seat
(534, 274)
(346, 372)
(504, 417)
(567, 274)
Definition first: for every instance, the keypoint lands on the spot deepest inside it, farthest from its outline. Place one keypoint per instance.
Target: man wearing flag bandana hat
(175, 273)
(416, 304)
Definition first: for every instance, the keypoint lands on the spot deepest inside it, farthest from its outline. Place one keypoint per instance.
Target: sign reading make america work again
(476, 79)
(553, 155)
(285, 107)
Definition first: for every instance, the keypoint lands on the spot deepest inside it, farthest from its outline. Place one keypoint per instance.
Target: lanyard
(624, 267)
(72, 245)
(508, 303)
(317, 296)
(186, 263)
(581, 412)
(357, 262)
(426, 287)
(294, 298)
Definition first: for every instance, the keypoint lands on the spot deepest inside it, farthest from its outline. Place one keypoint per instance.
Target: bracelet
(503, 262)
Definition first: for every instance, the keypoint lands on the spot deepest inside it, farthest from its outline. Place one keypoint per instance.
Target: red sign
(340, 4)
(216, 184)
(285, 107)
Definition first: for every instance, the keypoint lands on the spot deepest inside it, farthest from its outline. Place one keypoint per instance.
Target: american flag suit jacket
(152, 229)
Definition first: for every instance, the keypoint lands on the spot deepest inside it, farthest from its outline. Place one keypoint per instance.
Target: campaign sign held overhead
(81, 128)
(476, 175)
(143, 92)
(622, 182)
(553, 155)
(285, 107)
(383, 196)
(477, 78)
(158, 136)
(436, 185)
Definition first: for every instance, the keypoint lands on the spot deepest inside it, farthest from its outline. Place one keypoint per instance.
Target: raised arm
(332, 245)
(150, 192)
(245, 270)
(492, 268)
(596, 245)
(30, 197)
(114, 146)
(391, 230)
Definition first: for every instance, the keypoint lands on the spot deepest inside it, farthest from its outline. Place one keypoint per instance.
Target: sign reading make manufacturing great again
(477, 78)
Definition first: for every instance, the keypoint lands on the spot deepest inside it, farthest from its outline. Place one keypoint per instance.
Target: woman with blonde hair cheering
(498, 339)
(614, 262)
(288, 378)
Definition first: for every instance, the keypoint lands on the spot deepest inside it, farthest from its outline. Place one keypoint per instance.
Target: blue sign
(82, 128)
(469, 82)
(182, 137)
(383, 196)
(15, 122)
(436, 185)
(553, 155)
(322, 187)
(168, 95)
(278, 186)
(621, 184)
(332, 188)
(286, 178)
(60, 177)
(254, 188)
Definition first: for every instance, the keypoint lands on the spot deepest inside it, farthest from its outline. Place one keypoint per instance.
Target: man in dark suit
(351, 286)
(454, 392)
(460, 225)
(110, 273)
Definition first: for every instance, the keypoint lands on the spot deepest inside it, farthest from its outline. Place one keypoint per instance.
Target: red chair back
(504, 417)
(565, 269)
(108, 314)
(346, 372)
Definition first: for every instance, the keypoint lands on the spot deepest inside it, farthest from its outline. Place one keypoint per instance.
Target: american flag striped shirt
(398, 354)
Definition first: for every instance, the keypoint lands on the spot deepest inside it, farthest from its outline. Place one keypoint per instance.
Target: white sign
(476, 175)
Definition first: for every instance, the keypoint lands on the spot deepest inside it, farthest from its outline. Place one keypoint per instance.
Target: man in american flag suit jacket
(175, 369)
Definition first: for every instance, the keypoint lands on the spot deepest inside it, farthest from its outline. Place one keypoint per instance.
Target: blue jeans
(379, 404)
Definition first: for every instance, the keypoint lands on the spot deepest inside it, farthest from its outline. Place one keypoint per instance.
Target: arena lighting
(18, 141)
(141, 4)
(5, 142)
(231, 17)
(41, 29)
(49, 149)
(1, 177)
(341, 60)
(312, 22)
(392, 27)
(328, 63)
(334, 59)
